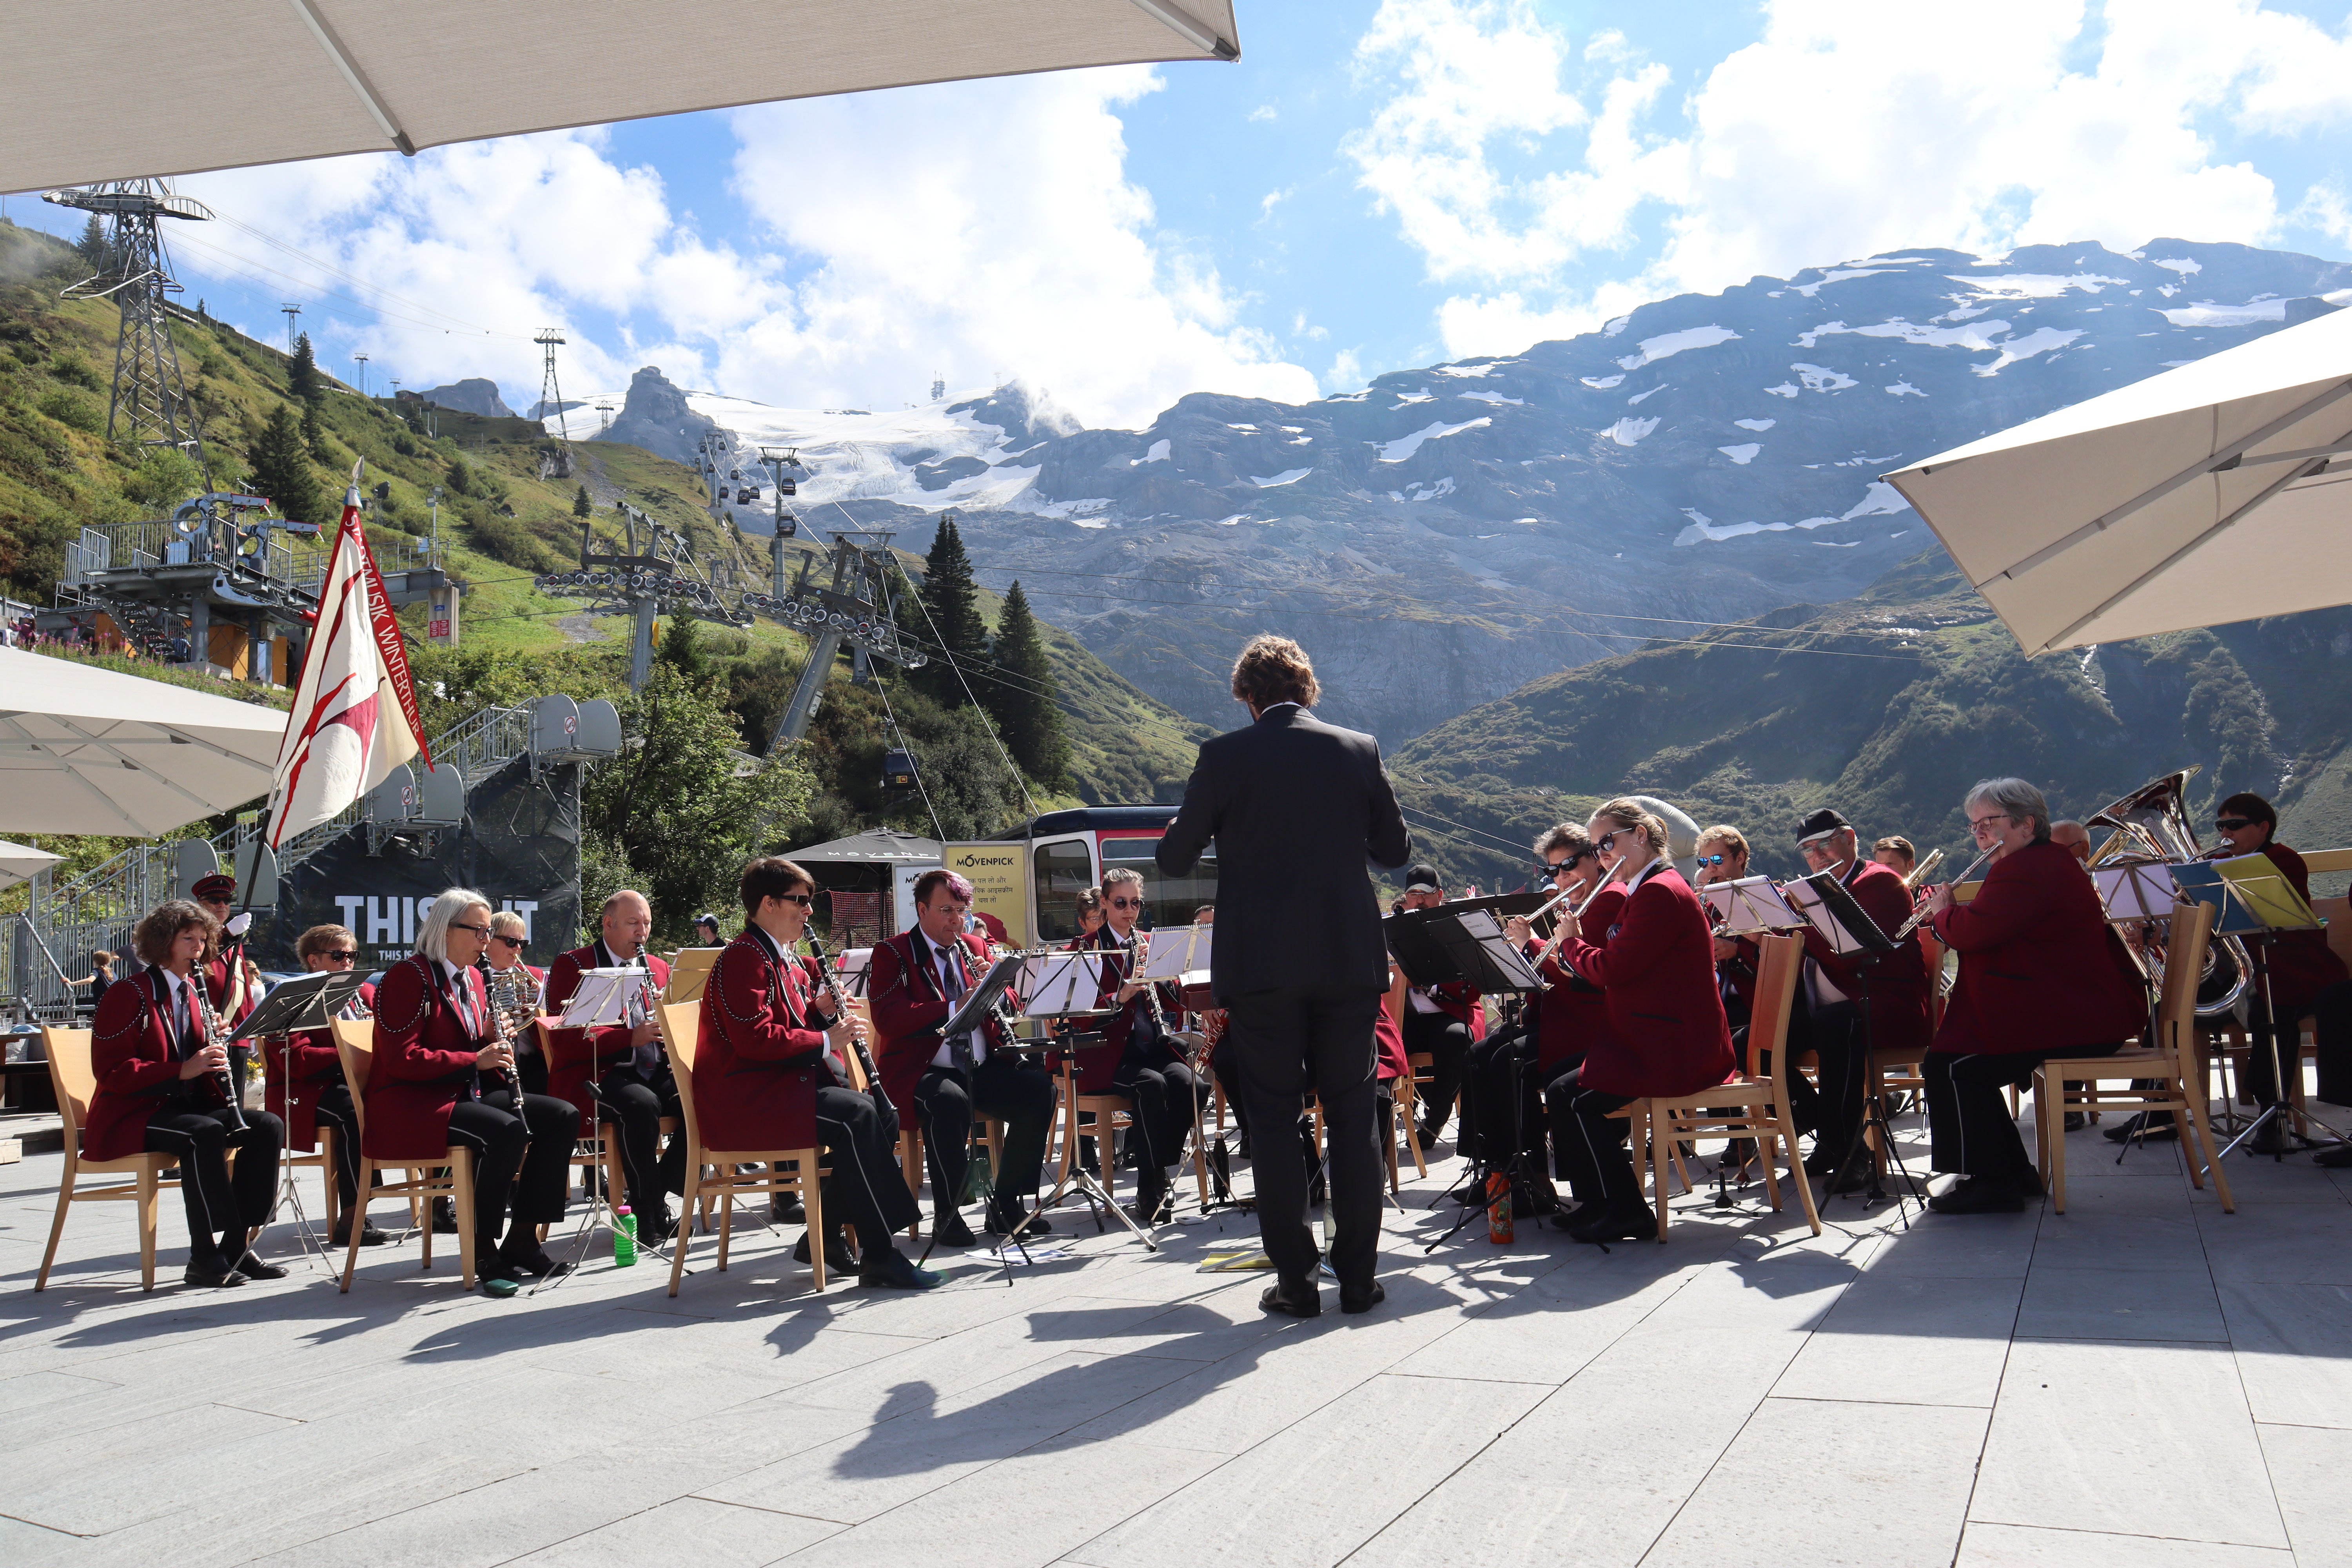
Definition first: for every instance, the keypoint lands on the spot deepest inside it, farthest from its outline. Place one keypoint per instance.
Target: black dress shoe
(1427, 1134)
(786, 1208)
(1012, 1222)
(1628, 1221)
(1363, 1301)
(211, 1273)
(837, 1256)
(951, 1229)
(2272, 1139)
(1305, 1302)
(2334, 1158)
(1823, 1161)
(2076, 1121)
(445, 1218)
(2028, 1184)
(654, 1229)
(535, 1264)
(369, 1235)
(1855, 1179)
(253, 1267)
(892, 1270)
(1979, 1194)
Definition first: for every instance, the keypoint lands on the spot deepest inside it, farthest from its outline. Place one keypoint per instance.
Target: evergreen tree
(314, 437)
(92, 243)
(302, 376)
(281, 469)
(1020, 693)
(950, 613)
(581, 505)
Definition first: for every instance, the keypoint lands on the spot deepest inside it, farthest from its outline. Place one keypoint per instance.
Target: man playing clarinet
(633, 1080)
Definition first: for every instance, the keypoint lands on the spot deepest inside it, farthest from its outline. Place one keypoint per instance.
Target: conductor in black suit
(1297, 807)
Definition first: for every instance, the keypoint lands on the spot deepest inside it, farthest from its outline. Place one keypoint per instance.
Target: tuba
(2152, 823)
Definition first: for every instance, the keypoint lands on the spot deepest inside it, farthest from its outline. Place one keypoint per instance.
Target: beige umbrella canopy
(94, 97)
(87, 749)
(2219, 491)
(22, 862)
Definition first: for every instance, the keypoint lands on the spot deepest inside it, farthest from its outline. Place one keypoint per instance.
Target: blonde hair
(1723, 833)
(1626, 811)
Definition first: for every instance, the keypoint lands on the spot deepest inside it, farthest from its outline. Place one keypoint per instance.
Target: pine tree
(1021, 694)
(581, 505)
(302, 376)
(281, 469)
(314, 436)
(950, 610)
(92, 243)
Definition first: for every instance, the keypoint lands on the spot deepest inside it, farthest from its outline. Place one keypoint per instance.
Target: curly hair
(1273, 669)
(160, 927)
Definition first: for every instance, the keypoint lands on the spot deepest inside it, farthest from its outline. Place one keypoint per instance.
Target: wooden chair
(1110, 1113)
(75, 1082)
(2171, 1061)
(681, 1029)
(451, 1177)
(1748, 1107)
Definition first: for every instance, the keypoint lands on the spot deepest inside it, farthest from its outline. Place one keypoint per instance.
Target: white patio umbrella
(355, 75)
(88, 750)
(22, 862)
(2211, 494)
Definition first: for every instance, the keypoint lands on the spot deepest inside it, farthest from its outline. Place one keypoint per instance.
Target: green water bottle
(625, 1237)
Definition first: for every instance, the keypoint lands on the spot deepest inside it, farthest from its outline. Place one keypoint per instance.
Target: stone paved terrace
(2145, 1380)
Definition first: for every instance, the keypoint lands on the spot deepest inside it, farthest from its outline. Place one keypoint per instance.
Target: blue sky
(1377, 185)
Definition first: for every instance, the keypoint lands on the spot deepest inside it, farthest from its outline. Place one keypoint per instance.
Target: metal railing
(98, 908)
(103, 549)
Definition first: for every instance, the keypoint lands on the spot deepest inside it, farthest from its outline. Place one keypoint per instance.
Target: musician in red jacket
(918, 977)
(1665, 1032)
(634, 1089)
(1137, 1057)
(504, 971)
(436, 1038)
(2301, 963)
(771, 1072)
(2040, 975)
(1834, 986)
(1441, 1022)
(303, 1080)
(159, 1087)
(230, 977)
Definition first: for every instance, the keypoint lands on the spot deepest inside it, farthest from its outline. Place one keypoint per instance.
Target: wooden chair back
(71, 1079)
(2176, 1010)
(2338, 914)
(1779, 962)
(681, 1031)
(355, 1049)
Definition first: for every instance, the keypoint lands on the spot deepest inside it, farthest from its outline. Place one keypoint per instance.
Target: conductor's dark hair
(1275, 670)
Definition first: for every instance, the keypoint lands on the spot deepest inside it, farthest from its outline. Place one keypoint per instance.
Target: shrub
(69, 407)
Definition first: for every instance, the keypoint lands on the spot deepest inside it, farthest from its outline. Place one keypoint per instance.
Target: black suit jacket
(1296, 807)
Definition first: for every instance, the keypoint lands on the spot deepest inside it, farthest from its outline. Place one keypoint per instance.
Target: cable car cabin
(898, 770)
(790, 487)
(1070, 851)
(748, 493)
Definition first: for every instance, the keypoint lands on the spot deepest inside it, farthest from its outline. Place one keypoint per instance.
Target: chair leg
(2200, 1121)
(150, 1185)
(1661, 1152)
(1764, 1137)
(727, 1228)
(2053, 1138)
(812, 1199)
(352, 1247)
(57, 1226)
(1797, 1177)
(461, 1199)
(687, 1203)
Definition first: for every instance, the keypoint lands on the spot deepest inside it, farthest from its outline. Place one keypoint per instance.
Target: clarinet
(216, 1034)
(864, 1060)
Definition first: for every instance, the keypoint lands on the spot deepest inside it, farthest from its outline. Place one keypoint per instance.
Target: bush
(164, 477)
(75, 370)
(69, 407)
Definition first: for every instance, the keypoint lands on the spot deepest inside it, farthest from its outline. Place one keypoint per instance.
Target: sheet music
(2269, 896)
(1752, 905)
(2136, 892)
(1054, 984)
(1806, 900)
(1171, 953)
(602, 997)
(854, 967)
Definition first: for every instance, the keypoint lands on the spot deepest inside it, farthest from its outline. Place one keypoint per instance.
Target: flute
(1920, 914)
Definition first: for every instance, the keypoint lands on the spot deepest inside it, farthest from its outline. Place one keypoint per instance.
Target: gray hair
(433, 930)
(1119, 874)
(2015, 799)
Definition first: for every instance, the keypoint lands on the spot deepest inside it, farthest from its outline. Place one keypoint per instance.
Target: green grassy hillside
(1758, 734)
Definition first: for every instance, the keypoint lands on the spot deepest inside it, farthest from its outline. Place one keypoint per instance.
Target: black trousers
(1226, 1069)
(1841, 1049)
(1165, 1094)
(2256, 1077)
(524, 1149)
(219, 1205)
(1016, 1092)
(1496, 1064)
(335, 1111)
(1447, 1039)
(532, 1068)
(1285, 1043)
(2331, 1031)
(635, 1109)
(1970, 1129)
(1588, 1144)
(866, 1189)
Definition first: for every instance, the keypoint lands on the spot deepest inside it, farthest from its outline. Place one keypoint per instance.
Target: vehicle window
(1167, 901)
(1060, 871)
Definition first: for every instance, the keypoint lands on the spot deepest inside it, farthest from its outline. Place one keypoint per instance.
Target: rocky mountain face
(475, 395)
(656, 417)
(1448, 535)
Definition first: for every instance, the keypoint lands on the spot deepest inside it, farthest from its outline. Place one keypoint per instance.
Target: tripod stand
(1873, 1119)
(1530, 1189)
(2258, 949)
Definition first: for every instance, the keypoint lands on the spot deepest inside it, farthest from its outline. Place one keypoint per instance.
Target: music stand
(854, 968)
(304, 1003)
(2255, 903)
(2138, 892)
(1830, 911)
(1063, 985)
(1752, 905)
(1173, 951)
(602, 998)
(690, 972)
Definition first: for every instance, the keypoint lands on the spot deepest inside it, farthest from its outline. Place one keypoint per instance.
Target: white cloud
(1850, 127)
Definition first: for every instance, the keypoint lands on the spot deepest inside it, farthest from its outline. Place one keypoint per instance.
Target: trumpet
(1919, 915)
(1920, 872)
(1543, 953)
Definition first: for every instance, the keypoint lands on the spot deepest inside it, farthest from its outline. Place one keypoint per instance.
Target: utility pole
(362, 361)
(290, 310)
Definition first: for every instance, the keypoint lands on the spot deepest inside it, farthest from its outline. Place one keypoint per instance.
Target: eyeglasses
(1610, 838)
(1981, 823)
(508, 941)
(341, 956)
(1127, 903)
(215, 903)
(802, 899)
(2232, 823)
(1712, 859)
(477, 931)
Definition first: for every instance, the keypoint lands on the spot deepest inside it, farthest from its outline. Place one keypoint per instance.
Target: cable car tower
(551, 400)
(149, 405)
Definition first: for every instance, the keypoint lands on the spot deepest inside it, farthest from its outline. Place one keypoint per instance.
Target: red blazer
(1667, 1031)
(1097, 1066)
(909, 1008)
(1387, 1043)
(1459, 999)
(315, 1067)
(2301, 962)
(1898, 982)
(130, 1055)
(567, 1077)
(762, 1056)
(424, 1060)
(2039, 969)
(1571, 1015)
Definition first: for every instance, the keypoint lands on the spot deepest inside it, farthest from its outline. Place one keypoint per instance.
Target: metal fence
(289, 558)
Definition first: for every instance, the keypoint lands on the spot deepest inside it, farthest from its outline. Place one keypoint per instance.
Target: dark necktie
(960, 1048)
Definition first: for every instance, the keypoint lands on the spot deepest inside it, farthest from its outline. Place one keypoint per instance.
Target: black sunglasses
(509, 941)
(802, 899)
(1127, 903)
(341, 955)
(2232, 823)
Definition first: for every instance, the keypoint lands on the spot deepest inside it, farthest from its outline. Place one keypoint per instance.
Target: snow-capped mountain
(1446, 534)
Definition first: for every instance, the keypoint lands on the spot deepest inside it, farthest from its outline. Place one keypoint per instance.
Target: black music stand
(2253, 903)
(1051, 987)
(1831, 912)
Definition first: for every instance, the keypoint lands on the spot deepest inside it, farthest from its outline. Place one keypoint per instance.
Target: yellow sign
(999, 875)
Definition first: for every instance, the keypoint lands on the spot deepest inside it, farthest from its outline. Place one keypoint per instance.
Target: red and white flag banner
(355, 717)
